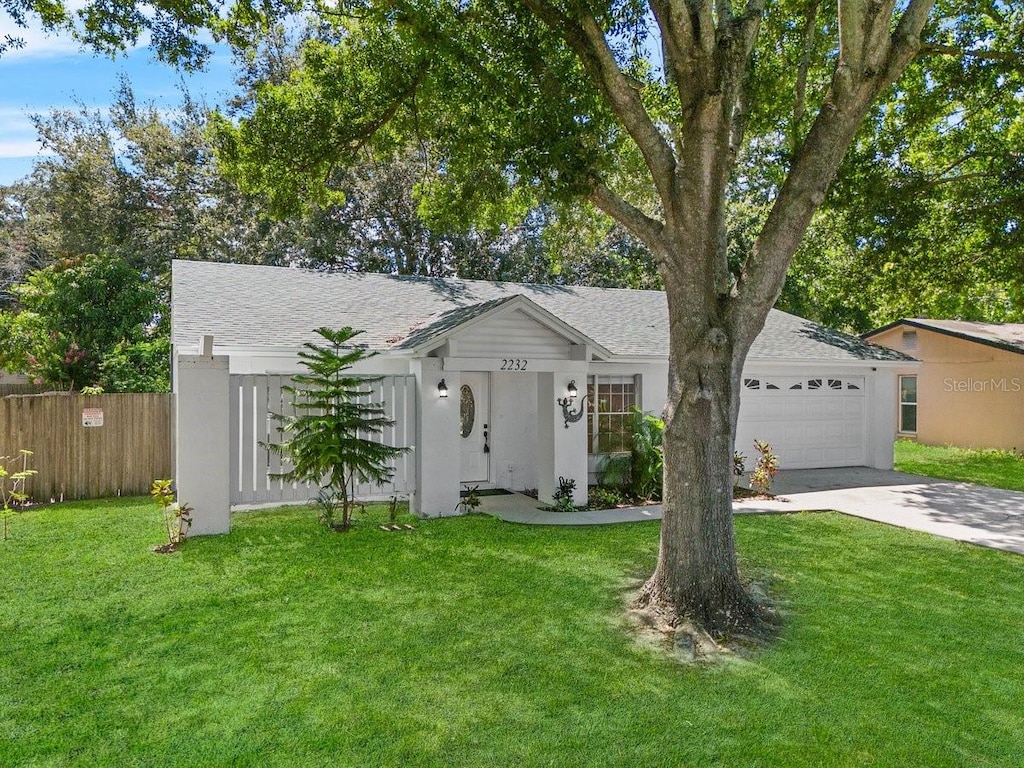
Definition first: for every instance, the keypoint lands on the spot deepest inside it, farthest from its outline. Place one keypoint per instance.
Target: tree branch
(936, 49)
(870, 61)
(587, 40)
(676, 43)
(649, 230)
(799, 101)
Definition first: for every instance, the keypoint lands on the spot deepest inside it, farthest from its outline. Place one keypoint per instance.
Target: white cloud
(38, 41)
(19, 148)
(41, 43)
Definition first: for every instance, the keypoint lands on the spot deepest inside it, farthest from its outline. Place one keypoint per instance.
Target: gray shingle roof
(1008, 336)
(257, 306)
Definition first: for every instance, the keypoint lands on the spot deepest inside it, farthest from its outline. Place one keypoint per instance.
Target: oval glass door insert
(467, 410)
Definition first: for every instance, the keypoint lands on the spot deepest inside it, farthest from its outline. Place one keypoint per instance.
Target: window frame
(904, 403)
(594, 414)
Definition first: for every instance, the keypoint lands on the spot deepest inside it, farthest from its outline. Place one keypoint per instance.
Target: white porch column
(203, 439)
(437, 440)
(561, 451)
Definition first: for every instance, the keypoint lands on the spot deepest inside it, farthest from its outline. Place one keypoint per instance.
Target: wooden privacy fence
(90, 446)
(254, 397)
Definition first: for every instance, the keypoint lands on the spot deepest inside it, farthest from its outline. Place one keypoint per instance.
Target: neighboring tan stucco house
(969, 388)
(478, 375)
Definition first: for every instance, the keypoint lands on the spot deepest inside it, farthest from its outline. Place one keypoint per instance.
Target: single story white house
(497, 385)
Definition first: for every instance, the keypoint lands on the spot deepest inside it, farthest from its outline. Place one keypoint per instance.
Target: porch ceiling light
(442, 389)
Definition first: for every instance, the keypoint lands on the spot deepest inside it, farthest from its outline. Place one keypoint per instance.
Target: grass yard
(470, 642)
(998, 469)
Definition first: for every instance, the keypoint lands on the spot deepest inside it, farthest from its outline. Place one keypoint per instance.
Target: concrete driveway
(962, 511)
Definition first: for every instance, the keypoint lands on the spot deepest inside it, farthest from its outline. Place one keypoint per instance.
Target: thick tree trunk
(697, 575)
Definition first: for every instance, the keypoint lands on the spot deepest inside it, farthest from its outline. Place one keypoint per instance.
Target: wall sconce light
(442, 389)
(571, 416)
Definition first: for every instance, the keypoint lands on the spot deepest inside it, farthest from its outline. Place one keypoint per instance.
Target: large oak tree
(551, 99)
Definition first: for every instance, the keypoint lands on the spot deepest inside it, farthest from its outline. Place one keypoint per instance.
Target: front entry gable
(511, 329)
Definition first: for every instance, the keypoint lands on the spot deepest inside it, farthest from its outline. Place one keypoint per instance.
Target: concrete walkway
(973, 513)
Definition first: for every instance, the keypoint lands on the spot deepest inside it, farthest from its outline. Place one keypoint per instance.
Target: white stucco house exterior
(478, 375)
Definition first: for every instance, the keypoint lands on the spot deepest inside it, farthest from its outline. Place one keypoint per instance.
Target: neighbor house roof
(1008, 336)
(257, 306)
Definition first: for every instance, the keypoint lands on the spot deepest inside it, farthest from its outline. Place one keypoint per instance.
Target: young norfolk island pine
(326, 441)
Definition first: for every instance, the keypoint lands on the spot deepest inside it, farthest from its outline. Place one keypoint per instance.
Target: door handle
(487, 447)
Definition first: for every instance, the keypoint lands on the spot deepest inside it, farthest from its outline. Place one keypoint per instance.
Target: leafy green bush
(600, 497)
(640, 471)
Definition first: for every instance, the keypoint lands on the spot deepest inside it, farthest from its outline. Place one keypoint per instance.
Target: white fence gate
(255, 397)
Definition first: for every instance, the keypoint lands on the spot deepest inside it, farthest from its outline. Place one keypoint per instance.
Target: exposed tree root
(749, 625)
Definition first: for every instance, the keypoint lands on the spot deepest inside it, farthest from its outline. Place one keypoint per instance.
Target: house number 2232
(513, 364)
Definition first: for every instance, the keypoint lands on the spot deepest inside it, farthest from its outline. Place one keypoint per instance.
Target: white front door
(474, 427)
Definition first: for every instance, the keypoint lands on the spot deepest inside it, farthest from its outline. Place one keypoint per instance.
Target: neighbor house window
(908, 403)
(612, 399)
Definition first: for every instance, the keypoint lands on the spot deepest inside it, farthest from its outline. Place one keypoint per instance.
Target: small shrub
(739, 466)
(177, 516)
(12, 483)
(766, 468)
(471, 501)
(640, 471)
(563, 496)
(328, 506)
(599, 497)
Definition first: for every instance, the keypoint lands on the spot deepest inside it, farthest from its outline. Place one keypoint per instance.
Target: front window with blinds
(609, 405)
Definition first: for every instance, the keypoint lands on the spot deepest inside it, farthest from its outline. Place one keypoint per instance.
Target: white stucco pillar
(561, 451)
(437, 440)
(203, 439)
(882, 406)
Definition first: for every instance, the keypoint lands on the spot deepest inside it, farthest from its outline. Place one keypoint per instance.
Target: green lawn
(476, 643)
(998, 469)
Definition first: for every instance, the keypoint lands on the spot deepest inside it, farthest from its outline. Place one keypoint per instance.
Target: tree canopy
(925, 216)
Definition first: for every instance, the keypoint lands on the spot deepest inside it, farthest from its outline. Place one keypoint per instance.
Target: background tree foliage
(77, 318)
(925, 217)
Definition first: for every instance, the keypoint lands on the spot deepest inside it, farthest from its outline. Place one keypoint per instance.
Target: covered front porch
(497, 429)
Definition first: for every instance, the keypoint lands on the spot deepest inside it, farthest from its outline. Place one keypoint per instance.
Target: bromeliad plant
(325, 441)
(12, 483)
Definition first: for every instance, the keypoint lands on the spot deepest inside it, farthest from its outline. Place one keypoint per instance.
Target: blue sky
(53, 72)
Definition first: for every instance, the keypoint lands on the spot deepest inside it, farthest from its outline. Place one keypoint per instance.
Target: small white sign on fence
(92, 417)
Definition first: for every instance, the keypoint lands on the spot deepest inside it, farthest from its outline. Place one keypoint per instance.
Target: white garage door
(812, 421)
